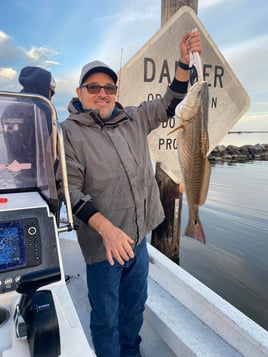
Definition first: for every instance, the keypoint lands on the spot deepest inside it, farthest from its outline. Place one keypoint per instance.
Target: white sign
(147, 74)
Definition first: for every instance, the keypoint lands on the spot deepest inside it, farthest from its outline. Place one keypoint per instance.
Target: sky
(62, 38)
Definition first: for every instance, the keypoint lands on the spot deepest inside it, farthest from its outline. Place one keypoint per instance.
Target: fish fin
(175, 129)
(195, 230)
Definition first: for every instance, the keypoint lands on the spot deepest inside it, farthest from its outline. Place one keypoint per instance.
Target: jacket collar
(90, 117)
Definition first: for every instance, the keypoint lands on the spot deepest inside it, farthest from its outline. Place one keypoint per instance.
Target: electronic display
(12, 246)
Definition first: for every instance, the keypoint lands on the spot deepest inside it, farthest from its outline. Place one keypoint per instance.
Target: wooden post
(169, 7)
(166, 237)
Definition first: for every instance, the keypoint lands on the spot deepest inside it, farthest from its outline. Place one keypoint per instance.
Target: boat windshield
(26, 145)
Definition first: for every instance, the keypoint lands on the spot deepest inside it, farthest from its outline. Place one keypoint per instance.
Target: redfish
(193, 144)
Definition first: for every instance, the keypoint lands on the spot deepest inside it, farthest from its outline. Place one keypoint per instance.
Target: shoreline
(239, 153)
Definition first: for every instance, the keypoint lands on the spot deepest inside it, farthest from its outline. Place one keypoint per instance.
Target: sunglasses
(95, 88)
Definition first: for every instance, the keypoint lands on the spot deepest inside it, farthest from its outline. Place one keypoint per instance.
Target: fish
(193, 145)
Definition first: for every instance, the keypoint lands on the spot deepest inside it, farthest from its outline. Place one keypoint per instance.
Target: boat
(44, 308)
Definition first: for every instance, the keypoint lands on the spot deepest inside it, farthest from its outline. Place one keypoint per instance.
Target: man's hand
(117, 244)
(190, 42)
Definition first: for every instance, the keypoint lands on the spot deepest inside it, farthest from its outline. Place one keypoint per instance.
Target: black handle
(29, 283)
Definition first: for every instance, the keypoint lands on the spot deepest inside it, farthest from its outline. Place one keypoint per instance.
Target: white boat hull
(183, 317)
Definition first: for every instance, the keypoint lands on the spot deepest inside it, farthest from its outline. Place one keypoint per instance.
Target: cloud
(14, 57)
(209, 3)
(8, 73)
(3, 37)
(40, 56)
(10, 54)
(127, 16)
(49, 63)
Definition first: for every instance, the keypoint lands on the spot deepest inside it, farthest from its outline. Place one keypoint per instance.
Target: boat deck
(152, 345)
(182, 316)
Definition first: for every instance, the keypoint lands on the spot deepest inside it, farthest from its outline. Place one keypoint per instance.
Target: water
(234, 261)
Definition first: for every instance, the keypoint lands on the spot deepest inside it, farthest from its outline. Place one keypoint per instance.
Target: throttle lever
(27, 285)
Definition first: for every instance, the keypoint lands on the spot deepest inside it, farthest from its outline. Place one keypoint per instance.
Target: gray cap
(96, 66)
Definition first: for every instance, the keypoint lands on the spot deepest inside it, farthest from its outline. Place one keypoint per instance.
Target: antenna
(119, 76)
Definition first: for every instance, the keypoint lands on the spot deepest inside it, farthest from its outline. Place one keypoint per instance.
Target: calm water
(234, 260)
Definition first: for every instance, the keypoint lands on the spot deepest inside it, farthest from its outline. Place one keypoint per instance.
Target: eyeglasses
(95, 88)
(52, 92)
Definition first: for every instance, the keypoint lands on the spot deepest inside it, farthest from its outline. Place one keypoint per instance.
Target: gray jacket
(109, 168)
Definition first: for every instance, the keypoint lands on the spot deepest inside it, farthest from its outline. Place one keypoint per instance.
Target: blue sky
(63, 36)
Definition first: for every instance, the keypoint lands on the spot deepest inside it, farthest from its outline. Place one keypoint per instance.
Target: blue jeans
(117, 295)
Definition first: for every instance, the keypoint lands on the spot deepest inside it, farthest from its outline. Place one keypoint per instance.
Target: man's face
(101, 102)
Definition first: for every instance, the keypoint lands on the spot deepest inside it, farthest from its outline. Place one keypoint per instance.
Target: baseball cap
(96, 66)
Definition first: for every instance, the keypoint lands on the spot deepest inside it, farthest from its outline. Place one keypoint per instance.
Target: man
(115, 196)
(38, 81)
(18, 123)
(34, 80)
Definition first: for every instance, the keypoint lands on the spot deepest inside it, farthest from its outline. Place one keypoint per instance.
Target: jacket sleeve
(82, 205)
(152, 113)
(178, 88)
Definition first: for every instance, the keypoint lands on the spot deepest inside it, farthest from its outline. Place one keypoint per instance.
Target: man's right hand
(117, 244)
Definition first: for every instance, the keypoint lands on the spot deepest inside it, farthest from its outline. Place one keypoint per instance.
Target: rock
(242, 153)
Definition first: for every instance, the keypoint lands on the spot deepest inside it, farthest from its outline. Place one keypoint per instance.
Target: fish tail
(195, 230)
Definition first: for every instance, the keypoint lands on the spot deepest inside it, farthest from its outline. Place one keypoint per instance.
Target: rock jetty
(239, 153)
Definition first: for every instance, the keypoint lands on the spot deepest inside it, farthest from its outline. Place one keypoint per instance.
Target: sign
(146, 76)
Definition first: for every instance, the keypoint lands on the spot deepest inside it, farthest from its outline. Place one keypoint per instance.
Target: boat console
(37, 316)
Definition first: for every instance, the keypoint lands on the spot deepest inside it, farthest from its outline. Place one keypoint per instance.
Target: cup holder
(4, 316)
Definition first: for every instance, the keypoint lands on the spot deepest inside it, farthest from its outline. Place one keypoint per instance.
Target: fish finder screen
(12, 246)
